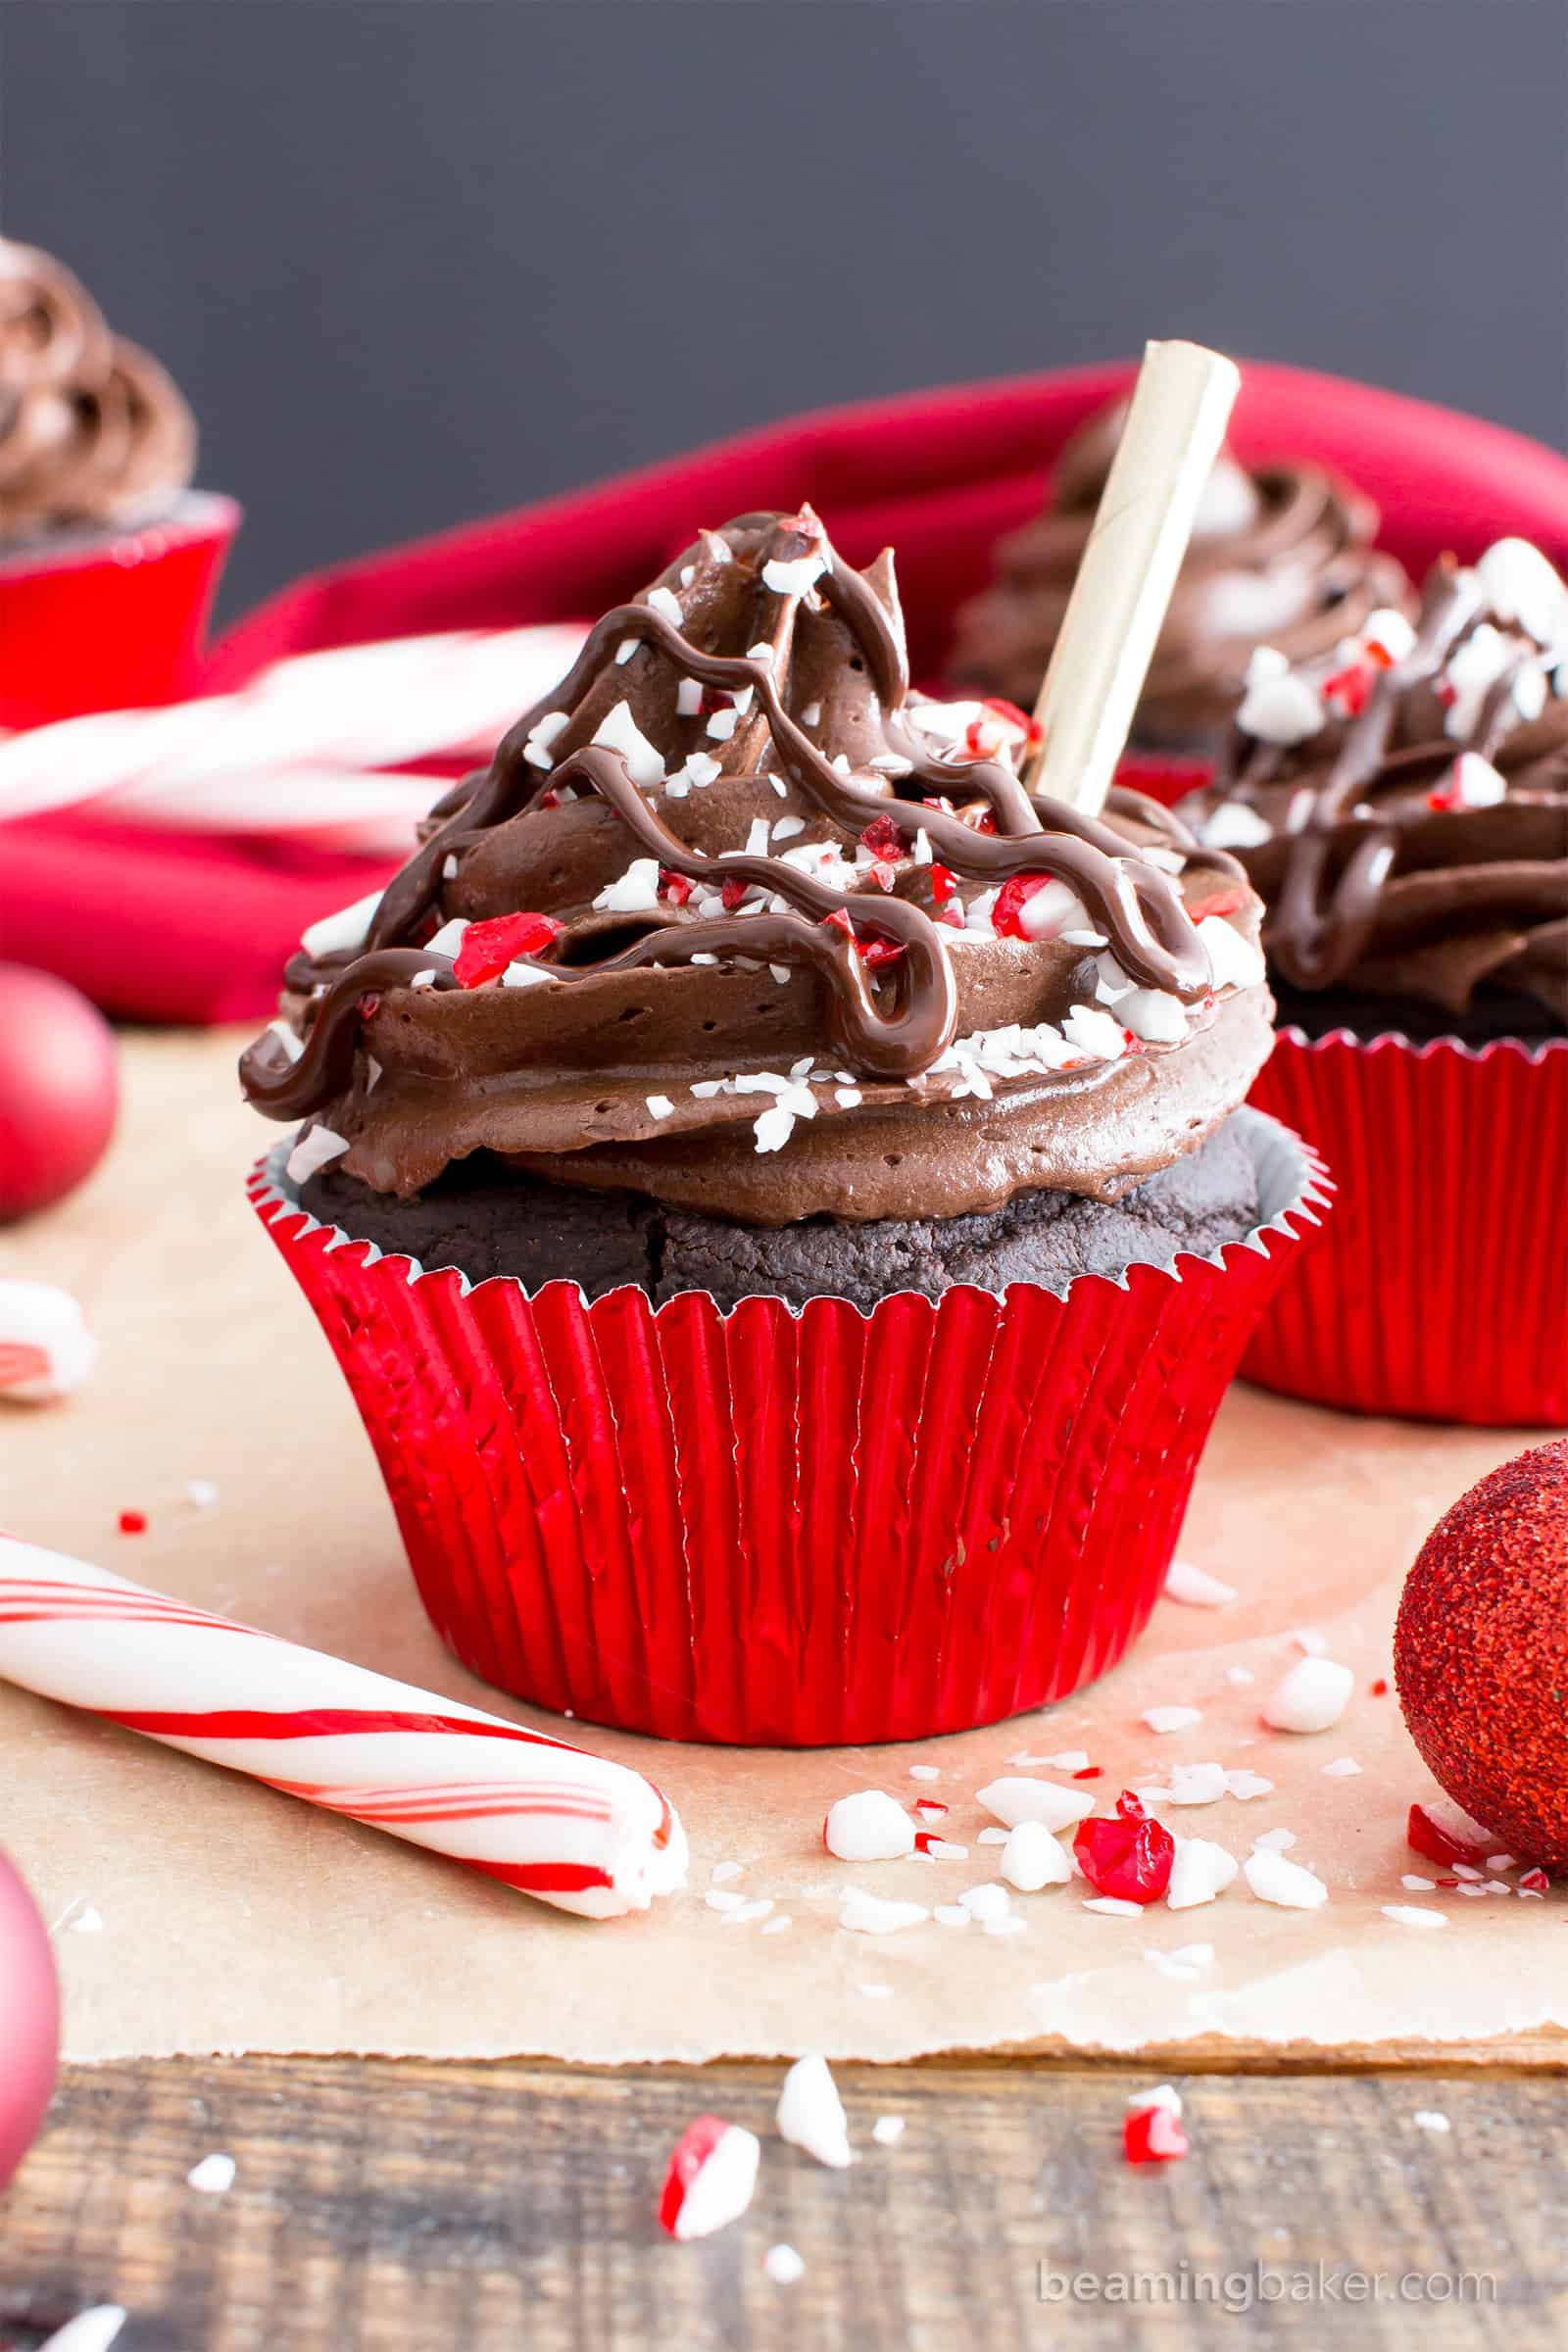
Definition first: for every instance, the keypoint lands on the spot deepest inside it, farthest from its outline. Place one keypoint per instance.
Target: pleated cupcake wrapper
(791, 1525)
(1440, 1288)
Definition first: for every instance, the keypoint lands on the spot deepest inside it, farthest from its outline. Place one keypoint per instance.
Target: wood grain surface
(382, 2207)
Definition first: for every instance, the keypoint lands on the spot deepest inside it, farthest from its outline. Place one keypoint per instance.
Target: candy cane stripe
(574, 1829)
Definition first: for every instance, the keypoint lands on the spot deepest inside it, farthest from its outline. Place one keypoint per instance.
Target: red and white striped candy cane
(580, 1833)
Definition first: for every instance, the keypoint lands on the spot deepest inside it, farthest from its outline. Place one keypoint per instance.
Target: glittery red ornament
(1480, 1654)
(30, 2020)
(58, 1087)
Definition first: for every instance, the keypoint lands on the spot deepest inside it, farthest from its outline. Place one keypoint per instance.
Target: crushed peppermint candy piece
(1274, 1842)
(1199, 1871)
(314, 1150)
(986, 1902)
(1154, 1015)
(1414, 1884)
(1153, 2135)
(874, 1915)
(1188, 1583)
(712, 2178)
(1095, 1032)
(1414, 1915)
(1113, 1906)
(868, 1827)
(1196, 1783)
(1279, 705)
(1163, 2094)
(488, 948)
(1233, 825)
(1342, 1768)
(810, 2114)
(91, 2331)
(783, 2266)
(618, 731)
(1445, 1833)
(793, 576)
(1244, 1785)
(1185, 1964)
(1127, 1855)
(46, 1349)
(1431, 2119)
(213, 2177)
(1233, 961)
(1033, 1858)
(202, 1494)
(666, 604)
(1171, 1719)
(1471, 782)
(1274, 1878)
(888, 2130)
(688, 698)
(1013, 1801)
(1312, 1697)
(636, 890)
(1240, 1677)
(335, 934)
(925, 1772)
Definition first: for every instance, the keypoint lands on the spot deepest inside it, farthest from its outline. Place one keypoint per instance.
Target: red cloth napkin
(182, 928)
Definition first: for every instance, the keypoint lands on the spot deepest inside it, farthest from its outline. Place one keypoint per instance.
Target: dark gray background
(414, 260)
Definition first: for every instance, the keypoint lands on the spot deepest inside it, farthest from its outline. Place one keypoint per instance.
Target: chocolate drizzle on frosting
(91, 428)
(1418, 844)
(663, 744)
(1282, 554)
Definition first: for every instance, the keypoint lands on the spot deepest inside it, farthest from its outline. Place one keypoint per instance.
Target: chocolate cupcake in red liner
(1403, 807)
(107, 559)
(775, 1187)
(1282, 553)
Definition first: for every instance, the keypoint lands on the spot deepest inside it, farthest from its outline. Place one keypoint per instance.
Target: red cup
(111, 620)
(783, 1527)
(1440, 1288)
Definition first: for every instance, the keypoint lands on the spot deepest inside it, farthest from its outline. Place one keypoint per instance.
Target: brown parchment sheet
(197, 1912)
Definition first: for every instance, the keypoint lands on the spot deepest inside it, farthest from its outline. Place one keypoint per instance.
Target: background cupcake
(107, 559)
(1282, 553)
(1402, 806)
(803, 1073)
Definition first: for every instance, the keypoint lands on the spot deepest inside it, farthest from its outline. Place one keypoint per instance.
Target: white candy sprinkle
(1431, 2119)
(1113, 1907)
(925, 1772)
(1274, 1879)
(721, 726)
(1194, 1586)
(1164, 2094)
(888, 2130)
(1196, 1783)
(666, 602)
(618, 731)
(1171, 1719)
(848, 1098)
(623, 654)
(1244, 1785)
(723, 1872)
(992, 1836)
(1033, 1858)
(92, 2331)
(986, 1903)
(1279, 705)
(723, 2186)
(1273, 1841)
(873, 1915)
(1233, 961)
(346, 929)
(722, 1899)
(951, 1915)
(1502, 1861)
(1154, 1015)
(942, 1849)
(1233, 825)
(214, 2177)
(810, 2114)
(795, 576)
(1094, 1032)
(314, 1149)
(868, 1827)
(783, 2266)
(773, 1128)
(785, 828)
(659, 1106)
(1414, 1883)
(635, 892)
(56, 1350)
(1342, 1768)
(777, 1924)
(688, 698)
(1015, 1800)
(1414, 1915)
(1199, 1871)
(1312, 1697)
(202, 1494)
(293, 1047)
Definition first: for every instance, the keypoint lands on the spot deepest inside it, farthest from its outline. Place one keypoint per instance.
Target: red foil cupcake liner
(1439, 1290)
(791, 1527)
(111, 620)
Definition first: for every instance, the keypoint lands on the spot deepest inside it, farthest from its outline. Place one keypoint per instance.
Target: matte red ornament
(1128, 1855)
(58, 1089)
(1480, 1654)
(30, 2013)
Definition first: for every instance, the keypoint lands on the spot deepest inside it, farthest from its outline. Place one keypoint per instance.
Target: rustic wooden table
(411, 2207)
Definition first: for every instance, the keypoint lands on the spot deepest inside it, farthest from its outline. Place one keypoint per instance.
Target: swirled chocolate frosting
(91, 429)
(737, 921)
(1402, 804)
(1282, 556)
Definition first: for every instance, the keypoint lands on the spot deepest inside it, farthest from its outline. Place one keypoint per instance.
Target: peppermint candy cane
(580, 1833)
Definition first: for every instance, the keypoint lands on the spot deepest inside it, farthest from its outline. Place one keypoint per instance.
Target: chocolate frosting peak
(1282, 554)
(1404, 807)
(770, 870)
(91, 428)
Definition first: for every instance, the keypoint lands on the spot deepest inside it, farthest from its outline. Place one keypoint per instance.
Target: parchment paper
(233, 1918)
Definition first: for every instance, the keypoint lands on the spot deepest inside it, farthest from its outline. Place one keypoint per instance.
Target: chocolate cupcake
(750, 1024)
(1402, 806)
(97, 452)
(1281, 554)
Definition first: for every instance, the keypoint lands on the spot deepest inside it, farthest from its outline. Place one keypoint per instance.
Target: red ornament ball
(30, 2013)
(58, 1089)
(1480, 1654)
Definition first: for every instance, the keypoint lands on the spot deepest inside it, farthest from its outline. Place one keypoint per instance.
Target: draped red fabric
(181, 928)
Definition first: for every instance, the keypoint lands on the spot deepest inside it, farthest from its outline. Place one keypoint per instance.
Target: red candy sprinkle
(1224, 902)
(883, 838)
(488, 948)
(1002, 720)
(673, 887)
(1349, 688)
(944, 882)
(1380, 1689)
(1533, 1881)
(132, 1523)
(1091, 1772)
(733, 893)
(1006, 916)
(1153, 2135)
(367, 1005)
(874, 950)
(1128, 1855)
(1430, 1839)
